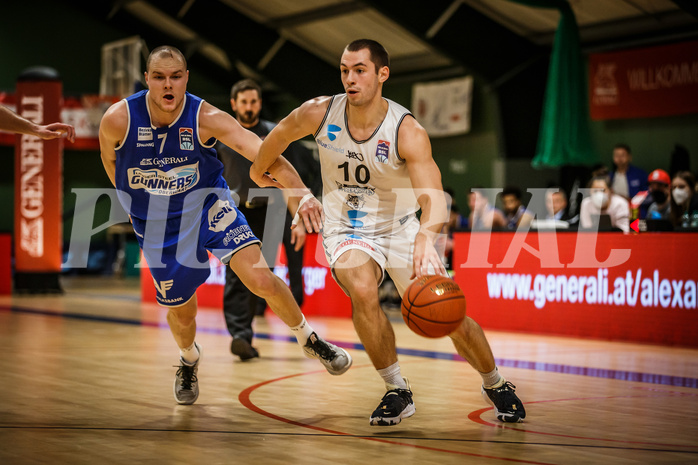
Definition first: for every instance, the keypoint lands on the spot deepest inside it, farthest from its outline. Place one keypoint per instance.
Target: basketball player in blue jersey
(157, 150)
(377, 172)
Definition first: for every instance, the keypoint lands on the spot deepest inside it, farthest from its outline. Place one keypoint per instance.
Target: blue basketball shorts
(176, 249)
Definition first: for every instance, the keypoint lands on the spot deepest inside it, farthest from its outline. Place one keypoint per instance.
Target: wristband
(297, 217)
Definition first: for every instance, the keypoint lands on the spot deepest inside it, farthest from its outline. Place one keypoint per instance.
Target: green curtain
(564, 137)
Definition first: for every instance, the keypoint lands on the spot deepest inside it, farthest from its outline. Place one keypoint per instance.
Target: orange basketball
(433, 306)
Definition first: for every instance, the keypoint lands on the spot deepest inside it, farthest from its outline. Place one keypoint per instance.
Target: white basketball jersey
(367, 188)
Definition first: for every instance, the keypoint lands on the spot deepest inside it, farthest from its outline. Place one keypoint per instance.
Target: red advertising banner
(38, 181)
(323, 297)
(643, 83)
(639, 288)
(5, 264)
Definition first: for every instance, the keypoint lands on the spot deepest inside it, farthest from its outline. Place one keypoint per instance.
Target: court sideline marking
(621, 375)
(245, 400)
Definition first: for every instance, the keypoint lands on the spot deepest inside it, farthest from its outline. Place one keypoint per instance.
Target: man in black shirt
(261, 209)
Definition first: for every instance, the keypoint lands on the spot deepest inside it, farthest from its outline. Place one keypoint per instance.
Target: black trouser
(239, 304)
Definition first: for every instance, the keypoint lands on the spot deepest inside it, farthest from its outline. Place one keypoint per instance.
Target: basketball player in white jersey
(377, 172)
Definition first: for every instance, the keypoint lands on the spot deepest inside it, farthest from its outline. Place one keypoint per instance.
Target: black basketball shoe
(507, 406)
(395, 405)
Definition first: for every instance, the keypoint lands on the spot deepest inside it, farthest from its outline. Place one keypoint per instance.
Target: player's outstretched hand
(56, 131)
(425, 255)
(310, 212)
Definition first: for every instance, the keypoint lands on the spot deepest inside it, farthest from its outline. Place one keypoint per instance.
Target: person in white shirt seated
(603, 201)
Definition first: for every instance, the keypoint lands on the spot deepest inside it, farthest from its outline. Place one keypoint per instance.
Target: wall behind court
(651, 140)
(465, 161)
(46, 33)
(69, 40)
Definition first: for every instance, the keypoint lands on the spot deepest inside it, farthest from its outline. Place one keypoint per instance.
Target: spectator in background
(603, 201)
(456, 222)
(660, 208)
(483, 216)
(599, 170)
(556, 206)
(684, 201)
(626, 180)
(455, 219)
(515, 213)
(240, 305)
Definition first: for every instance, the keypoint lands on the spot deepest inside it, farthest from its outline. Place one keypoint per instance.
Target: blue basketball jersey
(160, 167)
(171, 184)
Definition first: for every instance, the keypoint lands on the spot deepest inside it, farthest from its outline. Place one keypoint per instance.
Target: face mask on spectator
(680, 195)
(659, 196)
(599, 199)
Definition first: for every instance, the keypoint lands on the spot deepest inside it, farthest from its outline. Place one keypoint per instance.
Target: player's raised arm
(301, 122)
(415, 149)
(214, 123)
(112, 130)
(220, 125)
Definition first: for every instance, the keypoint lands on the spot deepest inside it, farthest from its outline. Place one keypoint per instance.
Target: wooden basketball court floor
(87, 377)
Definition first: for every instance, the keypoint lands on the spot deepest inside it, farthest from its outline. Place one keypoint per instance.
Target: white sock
(392, 377)
(492, 379)
(190, 355)
(302, 332)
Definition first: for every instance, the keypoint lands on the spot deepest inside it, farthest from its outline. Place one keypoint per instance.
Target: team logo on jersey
(331, 129)
(164, 286)
(327, 146)
(352, 239)
(221, 215)
(186, 138)
(357, 155)
(163, 161)
(238, 235)
(145, 134)
(354, 189)
(354, 220)
(158, 182)
(355, 201)
(382, 151)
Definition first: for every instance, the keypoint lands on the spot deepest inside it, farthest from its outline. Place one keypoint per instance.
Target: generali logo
(31, 182)
(605, 86)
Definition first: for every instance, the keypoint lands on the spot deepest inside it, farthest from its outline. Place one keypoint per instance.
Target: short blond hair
(165, 51)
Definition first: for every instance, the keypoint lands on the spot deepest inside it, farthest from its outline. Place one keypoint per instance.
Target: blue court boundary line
(621, 375)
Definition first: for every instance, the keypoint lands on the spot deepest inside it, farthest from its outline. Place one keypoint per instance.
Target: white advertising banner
(443, 107)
